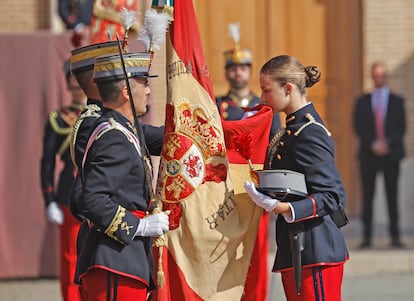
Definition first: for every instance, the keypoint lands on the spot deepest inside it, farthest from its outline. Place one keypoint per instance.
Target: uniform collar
(299, 115)
(77, 106)
(92, 101)
(110, 113)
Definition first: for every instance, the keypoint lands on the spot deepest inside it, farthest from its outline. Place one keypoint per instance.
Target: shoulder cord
(91, 111)
(105, 127)
(64, 131)
(312, 120)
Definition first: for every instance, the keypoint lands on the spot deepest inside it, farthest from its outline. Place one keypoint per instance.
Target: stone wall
(388, 28)
(24, 15)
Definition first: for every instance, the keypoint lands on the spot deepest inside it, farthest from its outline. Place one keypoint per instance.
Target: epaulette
(60, 130)
(312, 120)
(70, 114)
(113, 125)
(96, 135)
(90, 111)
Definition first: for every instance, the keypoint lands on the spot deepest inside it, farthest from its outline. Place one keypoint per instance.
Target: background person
(56, 141)
(380, 124)
(238, 71)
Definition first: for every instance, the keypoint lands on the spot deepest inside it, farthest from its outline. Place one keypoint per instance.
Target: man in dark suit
(379, 122)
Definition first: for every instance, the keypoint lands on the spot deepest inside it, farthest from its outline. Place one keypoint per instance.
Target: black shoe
(365, 245)
(397, 244)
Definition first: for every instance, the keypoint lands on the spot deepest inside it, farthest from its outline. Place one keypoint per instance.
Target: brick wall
(388, 28)
(24, 15)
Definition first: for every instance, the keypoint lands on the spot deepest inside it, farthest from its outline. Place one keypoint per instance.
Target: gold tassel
(160, 242)
(170, 11)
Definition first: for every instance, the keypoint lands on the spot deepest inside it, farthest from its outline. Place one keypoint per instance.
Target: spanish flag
(213, 223)
(247, 139)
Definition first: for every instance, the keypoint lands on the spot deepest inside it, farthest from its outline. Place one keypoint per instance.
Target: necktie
(379, 115)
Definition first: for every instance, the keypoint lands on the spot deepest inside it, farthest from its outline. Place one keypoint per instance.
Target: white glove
(261, 200)
(153, 225)
(54, 214)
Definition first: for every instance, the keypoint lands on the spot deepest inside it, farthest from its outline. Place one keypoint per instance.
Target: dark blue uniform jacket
(56, 140)
(114, 185)
(307, 147)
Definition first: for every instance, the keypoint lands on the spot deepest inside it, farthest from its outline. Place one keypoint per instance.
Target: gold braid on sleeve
(115, 223)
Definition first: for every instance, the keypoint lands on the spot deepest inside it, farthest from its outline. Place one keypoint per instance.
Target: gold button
(279, 156)
(224, 105)
(288, 132)
(225, 115)
(281, 143)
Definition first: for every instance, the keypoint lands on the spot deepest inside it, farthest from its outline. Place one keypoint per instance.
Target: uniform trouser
(318, 283)
(68, 233)
(102, 285)
(369, 168)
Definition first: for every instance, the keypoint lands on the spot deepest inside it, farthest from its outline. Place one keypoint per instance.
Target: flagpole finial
(165, 6)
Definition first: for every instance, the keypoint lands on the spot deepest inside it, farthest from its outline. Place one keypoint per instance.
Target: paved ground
(377, 274)
(384, 287)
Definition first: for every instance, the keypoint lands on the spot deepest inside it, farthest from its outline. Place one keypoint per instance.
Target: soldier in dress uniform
(238, 70)
(82, 63)
(116, 260)
(56, 140)
(304, 146)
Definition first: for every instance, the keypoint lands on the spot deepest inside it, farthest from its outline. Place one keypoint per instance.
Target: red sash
(138, 213)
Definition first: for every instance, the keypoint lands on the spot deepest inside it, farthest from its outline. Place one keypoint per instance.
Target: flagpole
(131, 101)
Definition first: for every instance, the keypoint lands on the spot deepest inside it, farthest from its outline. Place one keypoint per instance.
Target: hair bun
(313, 75)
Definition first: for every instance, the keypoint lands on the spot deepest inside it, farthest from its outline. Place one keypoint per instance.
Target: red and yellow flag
(248, 139)
(213, 224)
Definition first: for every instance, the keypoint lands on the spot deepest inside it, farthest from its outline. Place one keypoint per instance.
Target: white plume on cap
(234, 32)
(154, 29)
(128, 18)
